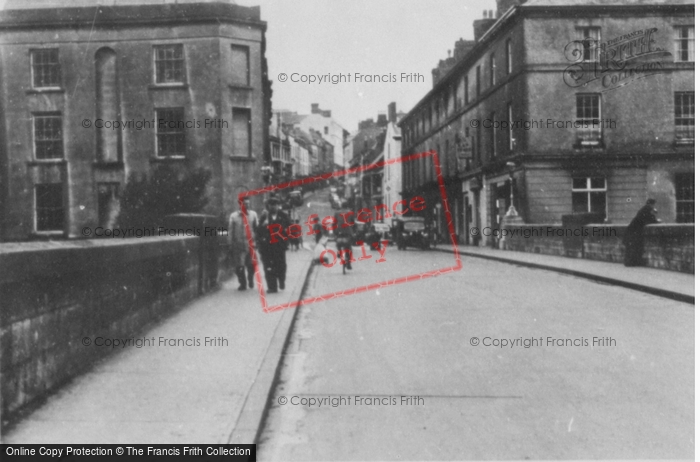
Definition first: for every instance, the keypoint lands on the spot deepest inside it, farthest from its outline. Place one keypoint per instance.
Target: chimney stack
(504, 5)
(314, 108)
(391, 110)
(482, 25)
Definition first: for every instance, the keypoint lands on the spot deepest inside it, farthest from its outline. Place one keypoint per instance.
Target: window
(493, 69)
(478, 80)
(443, 157)
(48, 136)
(455, 101)
(588, 194)
(107, 204)
(242, 146)
(685, 115)
(46, 70)
(240, 61)
(477, 148)
(685, 43)
(169, 64)
(511, 140)
(589, 37)
(466, 89)
(685, 198)
(493, 135)
(48, 207)
(171, 132)
(509, 57)
(588, 129)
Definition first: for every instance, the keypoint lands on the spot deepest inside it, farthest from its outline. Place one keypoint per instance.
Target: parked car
(412, 232)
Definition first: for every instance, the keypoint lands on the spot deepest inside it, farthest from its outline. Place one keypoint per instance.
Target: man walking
(238, 243)
(272, 249)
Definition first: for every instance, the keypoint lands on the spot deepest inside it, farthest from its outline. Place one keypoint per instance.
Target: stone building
(574, 107)
(186, 82)
(321, 122)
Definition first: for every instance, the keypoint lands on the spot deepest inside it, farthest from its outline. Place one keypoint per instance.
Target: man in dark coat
(272, 244)
(634, 236)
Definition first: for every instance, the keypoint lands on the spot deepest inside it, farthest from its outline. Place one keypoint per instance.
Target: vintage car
(412, 232)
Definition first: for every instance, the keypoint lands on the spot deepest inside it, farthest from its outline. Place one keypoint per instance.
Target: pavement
(668, 284)
(192, 393)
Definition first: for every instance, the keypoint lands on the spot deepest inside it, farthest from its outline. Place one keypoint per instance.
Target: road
(631, 396)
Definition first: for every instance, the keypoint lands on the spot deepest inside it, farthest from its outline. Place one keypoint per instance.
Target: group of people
(272, 251)
(273, 256)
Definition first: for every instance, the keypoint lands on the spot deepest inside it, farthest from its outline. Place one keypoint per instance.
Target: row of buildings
(303, 145)
(375, 142)
(568, 107)
(94, 95)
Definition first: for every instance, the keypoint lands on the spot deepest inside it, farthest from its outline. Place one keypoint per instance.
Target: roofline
(104, 16)
(516, 12)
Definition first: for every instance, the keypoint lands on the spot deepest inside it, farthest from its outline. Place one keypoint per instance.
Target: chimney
(462, 48)
(326, 113)
(504, 5)
(391, 111)
(314, 108)
(482, 25)
(382, 120)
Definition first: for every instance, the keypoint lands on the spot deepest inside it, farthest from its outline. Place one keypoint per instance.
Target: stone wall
(54, 295)
(666, 246)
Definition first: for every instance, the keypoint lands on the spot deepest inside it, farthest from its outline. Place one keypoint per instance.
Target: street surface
(631, 399)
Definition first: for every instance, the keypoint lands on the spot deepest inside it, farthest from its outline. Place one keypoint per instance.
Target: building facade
(568, 108)
(323, 125)
(90, 96)
(391, 173)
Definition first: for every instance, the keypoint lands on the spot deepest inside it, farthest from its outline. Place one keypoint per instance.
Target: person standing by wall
(238, 243)
(634, 236)
(272, 251)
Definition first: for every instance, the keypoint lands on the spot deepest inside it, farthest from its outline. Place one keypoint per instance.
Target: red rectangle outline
(325, 176)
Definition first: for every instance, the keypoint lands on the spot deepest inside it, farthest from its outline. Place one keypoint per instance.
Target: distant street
(631, 399)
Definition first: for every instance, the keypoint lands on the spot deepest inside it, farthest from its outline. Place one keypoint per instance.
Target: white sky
(366, 36)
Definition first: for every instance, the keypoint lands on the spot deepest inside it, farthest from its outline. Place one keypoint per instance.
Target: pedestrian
(295, 242)
(272, 250)
(344, 237)
(634, 236)
(238, 243)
